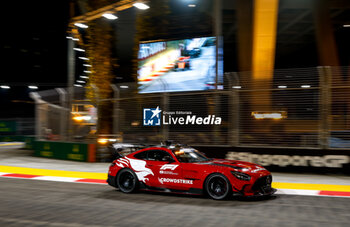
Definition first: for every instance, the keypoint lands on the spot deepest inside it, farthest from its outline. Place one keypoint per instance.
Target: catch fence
(294, 108)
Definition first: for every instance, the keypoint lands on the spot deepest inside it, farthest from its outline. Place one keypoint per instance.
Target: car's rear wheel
(217, 186)
(127, 181)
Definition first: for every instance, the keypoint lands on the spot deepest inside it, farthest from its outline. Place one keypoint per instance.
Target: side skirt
(193, 191)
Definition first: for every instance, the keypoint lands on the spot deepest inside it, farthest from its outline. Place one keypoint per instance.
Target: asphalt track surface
(25, 202)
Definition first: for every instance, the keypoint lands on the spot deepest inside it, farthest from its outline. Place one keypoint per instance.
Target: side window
(159, 155)
(141, 155)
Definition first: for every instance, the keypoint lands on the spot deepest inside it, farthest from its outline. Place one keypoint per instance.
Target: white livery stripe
(297, 192)
(60, 179)
(122, 161)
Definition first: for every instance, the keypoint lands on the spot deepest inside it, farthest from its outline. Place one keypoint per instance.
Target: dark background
(33, 44)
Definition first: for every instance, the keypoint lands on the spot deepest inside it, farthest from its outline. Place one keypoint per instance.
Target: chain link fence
(294, 108)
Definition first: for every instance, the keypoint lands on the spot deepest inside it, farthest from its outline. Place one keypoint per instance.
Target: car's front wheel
(127, 181)
(217, 186)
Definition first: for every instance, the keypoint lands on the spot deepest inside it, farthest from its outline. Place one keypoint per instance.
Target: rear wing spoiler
(120, 150)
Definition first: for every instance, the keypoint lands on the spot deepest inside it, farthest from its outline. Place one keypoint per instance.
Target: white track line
(60, 179)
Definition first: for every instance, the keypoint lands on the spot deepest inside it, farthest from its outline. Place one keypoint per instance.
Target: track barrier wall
(65, 151)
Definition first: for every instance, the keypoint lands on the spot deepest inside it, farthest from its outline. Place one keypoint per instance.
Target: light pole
(116, 108)
(71, 76)
(218, 32)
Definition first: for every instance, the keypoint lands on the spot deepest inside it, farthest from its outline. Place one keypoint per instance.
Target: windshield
(189, 155)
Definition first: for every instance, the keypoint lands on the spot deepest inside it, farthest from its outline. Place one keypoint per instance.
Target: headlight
(241, 176)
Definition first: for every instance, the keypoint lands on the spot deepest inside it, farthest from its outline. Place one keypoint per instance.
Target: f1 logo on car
(169, 167)
(151, 116)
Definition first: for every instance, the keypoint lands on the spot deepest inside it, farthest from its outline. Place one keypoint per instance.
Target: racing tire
(127, 181)
(217, 186)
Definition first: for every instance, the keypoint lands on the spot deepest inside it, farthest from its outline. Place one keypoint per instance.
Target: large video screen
(178, 65)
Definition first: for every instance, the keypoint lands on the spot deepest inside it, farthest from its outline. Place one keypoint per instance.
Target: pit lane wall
(281, 160)
(286, 160)
(28, 140)
(82, 152)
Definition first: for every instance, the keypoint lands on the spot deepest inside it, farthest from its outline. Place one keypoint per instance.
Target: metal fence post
(233, 130)
(235, 111)
(36, 97)
(165, 129)
(116, 116)
(217, 110)
(70, 79)
(63, 114)
(97, 92)
(325, 76)
(165, 105)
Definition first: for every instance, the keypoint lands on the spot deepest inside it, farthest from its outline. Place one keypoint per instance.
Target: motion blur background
(284, 81)
(76, 76)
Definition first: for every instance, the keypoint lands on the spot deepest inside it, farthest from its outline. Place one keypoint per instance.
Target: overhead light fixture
(124, 86)
(69, 37)
(32, 87)
(305, 86)
(86, 65)
(346, 25)
(81, 81)
(140, 5)
(82, 118)
(102, 141)
(282, 86)
(79, 49)
(84, 77)
(237, 87)
(110, 16)
(4, 87)
(78, 85)
(87, 71)
(83, 58)
(81, 25)
(191, 5)
(75, 39)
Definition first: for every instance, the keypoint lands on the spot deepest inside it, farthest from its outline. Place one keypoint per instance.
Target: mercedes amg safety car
(183, 169)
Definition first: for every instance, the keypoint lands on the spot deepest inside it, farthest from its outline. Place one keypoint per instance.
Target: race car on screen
(181, 169)
(183, 63)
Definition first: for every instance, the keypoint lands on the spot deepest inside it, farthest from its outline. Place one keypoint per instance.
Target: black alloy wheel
(127, 181)
(218, 186)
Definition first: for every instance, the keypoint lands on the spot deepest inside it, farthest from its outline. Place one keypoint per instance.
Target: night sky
(33, 51)
(34, 45)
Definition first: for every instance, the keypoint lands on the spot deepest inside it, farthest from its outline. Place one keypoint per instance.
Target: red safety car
(182, 169)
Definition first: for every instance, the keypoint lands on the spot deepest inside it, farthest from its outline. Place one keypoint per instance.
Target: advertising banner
(8, 127)
(286, 160)
(65, 151)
